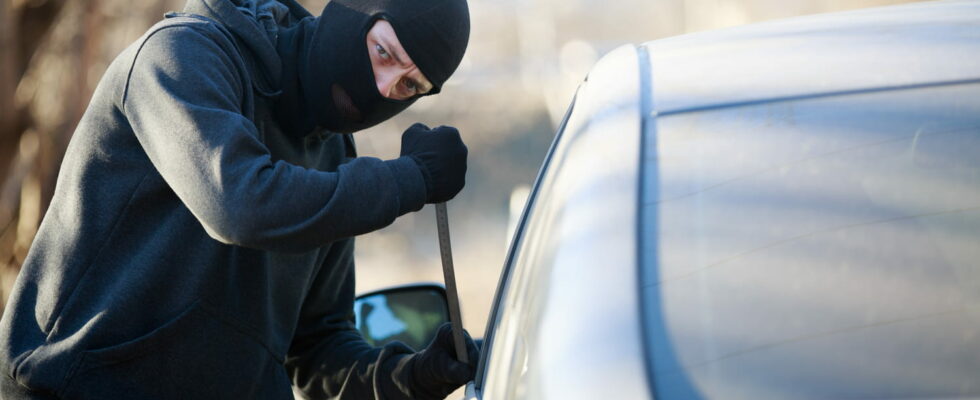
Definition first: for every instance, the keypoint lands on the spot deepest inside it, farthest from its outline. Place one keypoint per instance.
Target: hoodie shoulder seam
(201, 25)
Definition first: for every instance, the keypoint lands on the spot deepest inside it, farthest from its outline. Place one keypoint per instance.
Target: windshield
(820, 248)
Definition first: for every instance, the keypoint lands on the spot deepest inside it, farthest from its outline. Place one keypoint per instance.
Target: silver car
(785, 210)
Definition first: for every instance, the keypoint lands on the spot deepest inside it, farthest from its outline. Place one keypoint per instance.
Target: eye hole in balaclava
(336, 73)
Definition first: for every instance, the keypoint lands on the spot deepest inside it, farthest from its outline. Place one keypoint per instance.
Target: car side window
(500, 334)
(819, 248)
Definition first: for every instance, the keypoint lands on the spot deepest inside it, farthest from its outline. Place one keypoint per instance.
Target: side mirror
(410, 314)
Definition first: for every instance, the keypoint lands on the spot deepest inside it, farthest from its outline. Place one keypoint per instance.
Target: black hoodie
(194, 250)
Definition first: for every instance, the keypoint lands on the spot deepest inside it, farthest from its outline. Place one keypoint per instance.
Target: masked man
(199, 243)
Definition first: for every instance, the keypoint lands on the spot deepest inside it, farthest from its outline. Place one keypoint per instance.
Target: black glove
(441, 155)
(436, 372)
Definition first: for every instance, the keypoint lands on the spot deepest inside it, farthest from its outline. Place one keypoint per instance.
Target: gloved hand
(436, 372)
(441, 155)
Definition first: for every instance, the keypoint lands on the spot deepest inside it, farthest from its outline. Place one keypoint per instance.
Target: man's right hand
(441, 155)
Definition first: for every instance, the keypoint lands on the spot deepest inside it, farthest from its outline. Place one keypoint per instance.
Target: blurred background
(524, 61)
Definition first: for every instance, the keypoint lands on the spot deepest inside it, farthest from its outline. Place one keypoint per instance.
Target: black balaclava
(333, 67)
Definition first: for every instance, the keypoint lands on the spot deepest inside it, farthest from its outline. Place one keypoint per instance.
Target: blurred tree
(24, 25)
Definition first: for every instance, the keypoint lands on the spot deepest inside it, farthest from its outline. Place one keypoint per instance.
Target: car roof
(885, 48)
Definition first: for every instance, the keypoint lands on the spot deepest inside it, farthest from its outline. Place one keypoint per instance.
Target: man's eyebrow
(393, 51)
(422, 83)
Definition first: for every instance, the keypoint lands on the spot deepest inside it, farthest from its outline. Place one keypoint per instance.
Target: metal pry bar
(446, 251)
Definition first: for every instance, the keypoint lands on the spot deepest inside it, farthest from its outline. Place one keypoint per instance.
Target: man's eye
(410, 85)
(382, 52)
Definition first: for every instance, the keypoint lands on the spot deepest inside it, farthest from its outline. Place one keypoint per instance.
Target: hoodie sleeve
(184, 100)
(328, 358)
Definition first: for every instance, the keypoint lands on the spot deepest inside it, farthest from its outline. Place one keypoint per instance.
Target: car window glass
(574, 255)
(508, 294)
(819, 248)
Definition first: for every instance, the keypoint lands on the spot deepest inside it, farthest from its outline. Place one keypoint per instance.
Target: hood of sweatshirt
(256, 25)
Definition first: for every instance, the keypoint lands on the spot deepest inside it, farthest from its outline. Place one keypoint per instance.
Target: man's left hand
(436, 372)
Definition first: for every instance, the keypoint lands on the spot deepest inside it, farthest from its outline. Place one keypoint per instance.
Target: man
(199, 243)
